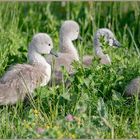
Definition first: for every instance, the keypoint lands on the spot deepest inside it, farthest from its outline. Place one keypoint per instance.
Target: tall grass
(95, 96)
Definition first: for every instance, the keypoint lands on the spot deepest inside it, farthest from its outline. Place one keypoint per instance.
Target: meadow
(94, 105)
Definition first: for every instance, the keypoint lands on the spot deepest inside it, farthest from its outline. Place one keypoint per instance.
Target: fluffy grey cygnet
(68, 33)
(22, 79)
(109, 38)
(133, 87)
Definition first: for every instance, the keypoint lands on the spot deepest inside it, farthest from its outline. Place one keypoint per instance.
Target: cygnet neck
(67, 46)
(98, 49)
(35, 57)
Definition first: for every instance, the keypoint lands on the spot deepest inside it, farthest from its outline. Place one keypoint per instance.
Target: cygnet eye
(49, 44)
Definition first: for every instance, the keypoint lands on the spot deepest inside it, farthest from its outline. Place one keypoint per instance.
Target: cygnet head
(69, 30)
(109, 37)
(41, 43)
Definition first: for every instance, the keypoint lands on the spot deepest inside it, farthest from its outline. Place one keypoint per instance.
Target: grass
(94, 106)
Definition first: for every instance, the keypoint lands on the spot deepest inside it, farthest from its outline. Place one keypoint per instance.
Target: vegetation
(94, 105)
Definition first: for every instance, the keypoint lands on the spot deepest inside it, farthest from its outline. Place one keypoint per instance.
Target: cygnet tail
(7, 95)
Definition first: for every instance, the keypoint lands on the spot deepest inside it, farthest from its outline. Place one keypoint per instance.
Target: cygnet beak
(80, 38)
(53, 53)
(116, 43)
